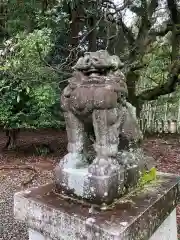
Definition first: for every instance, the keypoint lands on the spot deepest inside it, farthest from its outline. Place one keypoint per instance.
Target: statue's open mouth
(92, 70)
(98, 71)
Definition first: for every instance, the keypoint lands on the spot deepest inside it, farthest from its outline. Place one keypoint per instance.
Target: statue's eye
(87, 60)
(95, 59)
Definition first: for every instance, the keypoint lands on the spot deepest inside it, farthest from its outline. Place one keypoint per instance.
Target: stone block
(168, 229)
(34, 235)
(132, 176)
(99, 189)
(140, 215)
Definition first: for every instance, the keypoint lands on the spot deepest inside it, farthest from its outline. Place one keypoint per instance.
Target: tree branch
(143, 39)
(137, 66)
(127, 31)
(152, 7)
(160, 33)
(175, 18)
(173, 77)
(117, 17)
(166, 88)
(173, 10)
(111, 4)
(47, 64)
(145, 23)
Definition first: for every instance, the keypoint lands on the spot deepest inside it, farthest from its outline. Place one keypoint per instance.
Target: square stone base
(142, 214)
(99, 189)
(166, 231)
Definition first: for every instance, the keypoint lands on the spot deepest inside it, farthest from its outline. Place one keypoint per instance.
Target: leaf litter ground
(15, 174)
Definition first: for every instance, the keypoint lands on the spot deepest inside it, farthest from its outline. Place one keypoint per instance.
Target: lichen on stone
(147, 176)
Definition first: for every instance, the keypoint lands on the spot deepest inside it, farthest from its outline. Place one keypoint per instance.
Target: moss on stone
(147, 176)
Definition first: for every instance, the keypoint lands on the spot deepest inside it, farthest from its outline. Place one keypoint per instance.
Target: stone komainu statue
(94, 104)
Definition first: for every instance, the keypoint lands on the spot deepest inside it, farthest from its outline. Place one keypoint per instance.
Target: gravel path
(166, 151)
(10, 182)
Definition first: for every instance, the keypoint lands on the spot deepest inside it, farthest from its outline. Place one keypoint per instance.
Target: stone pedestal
(98, 189)
(168, 229)
(78, 181)
(147, 213)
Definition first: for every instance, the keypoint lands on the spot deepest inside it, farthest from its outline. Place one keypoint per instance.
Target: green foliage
(156, 73)
(147, 177)
(21, 15)
(42, 150)
(74, 3)
(157, 61)
(40, 34)
(45, 99)
(28, 88)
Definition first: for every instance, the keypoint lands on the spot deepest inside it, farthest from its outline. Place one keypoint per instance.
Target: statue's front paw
(103, 167)
(73, 160)
(127, 158)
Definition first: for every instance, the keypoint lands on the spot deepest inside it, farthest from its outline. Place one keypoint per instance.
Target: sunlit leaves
(158, 62)
(28, 89)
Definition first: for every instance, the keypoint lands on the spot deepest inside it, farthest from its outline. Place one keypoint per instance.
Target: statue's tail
(131, 127)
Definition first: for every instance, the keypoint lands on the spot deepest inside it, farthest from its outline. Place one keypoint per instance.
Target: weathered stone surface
(99, 189)
(132, 177)
(134, 217)
(168, 229)
(135, 157)
(95, 108)
(34, 235)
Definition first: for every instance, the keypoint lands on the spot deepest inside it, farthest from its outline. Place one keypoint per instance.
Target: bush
(28, 88)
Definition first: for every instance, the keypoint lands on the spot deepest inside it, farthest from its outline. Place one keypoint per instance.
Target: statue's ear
(121, 65)
(86, 53)
(78, 64)
(103, 51)
(116, 62)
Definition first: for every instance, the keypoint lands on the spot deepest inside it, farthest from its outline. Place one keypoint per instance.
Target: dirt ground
(31, 151)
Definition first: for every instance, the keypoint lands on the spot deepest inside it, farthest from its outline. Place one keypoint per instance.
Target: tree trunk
(3, 19)
(44, 6)
(12, 135)
(172, 80)
(75, 27)
(138, 109)
(92, 7)
(175, 18)
(93, 35)
(132, 79)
